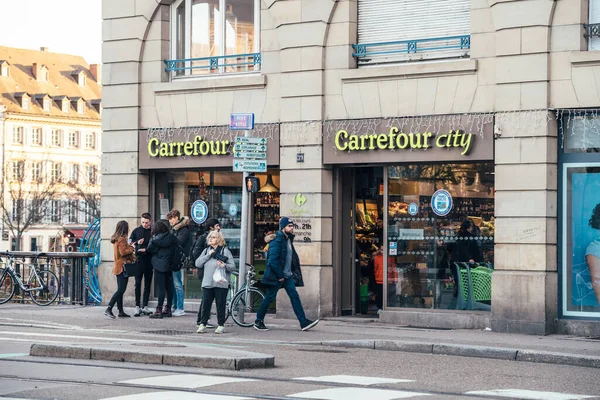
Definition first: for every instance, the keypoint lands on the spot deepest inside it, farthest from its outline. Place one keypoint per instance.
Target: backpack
(178, 258)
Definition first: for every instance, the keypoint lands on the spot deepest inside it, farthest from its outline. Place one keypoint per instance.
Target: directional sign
(243, 165)
(249, 154)
(253, 140)
(249, 147)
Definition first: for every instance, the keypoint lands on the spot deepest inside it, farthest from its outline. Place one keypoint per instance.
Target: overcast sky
(65, 26)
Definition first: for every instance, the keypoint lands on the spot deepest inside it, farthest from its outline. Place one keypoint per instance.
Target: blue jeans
(290, 287)
(178, 292)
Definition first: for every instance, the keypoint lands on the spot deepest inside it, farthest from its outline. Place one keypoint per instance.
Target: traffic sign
(243, 165)
(249, 147)
(249, 154)
(252, 140)
(243, 121)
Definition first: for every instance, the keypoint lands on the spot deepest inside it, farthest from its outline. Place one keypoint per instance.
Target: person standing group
(216, 263)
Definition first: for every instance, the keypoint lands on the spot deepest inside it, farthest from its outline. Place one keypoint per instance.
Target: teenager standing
(123, 252)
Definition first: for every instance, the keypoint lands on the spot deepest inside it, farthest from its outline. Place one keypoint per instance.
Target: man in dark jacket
(140, 236)
(181, 230)
(161, 249)
(283, 271)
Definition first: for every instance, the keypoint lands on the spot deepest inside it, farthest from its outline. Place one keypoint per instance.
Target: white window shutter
(382, 21)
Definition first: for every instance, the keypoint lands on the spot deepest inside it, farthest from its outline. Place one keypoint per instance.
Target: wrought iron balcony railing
(591, 30)
(364, 51)
(229, 63)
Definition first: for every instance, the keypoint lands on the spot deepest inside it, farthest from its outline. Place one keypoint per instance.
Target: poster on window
(581, 240)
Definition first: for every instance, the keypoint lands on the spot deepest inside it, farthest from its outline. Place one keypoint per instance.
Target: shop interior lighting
(269, 187)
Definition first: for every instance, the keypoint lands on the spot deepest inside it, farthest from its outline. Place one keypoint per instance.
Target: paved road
(301, 371)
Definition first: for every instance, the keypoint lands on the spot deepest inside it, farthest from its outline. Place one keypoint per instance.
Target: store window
(579, 224)
(221, 35)
(440, 236)
(222, 193)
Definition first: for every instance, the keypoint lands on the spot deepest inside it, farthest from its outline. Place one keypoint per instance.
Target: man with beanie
(283, 271)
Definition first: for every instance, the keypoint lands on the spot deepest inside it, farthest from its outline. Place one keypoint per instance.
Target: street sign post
(248, 154)
(250, 140)
(249, 147)
(241, 121)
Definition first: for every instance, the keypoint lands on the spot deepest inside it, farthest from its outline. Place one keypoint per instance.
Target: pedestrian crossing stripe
(353, 379)
(184, 381)
(174, 395)
(529, 394)
(356, 394)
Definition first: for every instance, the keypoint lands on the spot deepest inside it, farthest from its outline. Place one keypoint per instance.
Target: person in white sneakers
(181, 229)
(140, 237)
(217, 262)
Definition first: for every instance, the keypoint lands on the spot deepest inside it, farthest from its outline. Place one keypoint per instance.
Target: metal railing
(362, 51)
(229, 63)
(90, 243)
(70, 267)
(591, 30)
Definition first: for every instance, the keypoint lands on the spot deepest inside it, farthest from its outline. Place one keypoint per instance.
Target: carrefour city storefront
(191, 169)
(414, 217)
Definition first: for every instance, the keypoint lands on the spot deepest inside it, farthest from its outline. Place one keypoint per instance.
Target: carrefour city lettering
(400, 140)
(194, 148)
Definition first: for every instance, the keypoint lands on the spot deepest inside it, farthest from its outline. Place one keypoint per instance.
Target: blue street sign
(242, 122)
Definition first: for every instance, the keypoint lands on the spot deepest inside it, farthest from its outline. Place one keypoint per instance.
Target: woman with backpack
(217, 262)
(161, 248)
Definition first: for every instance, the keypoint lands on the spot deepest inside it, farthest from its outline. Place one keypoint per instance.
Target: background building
(50, 129)
(389, 125)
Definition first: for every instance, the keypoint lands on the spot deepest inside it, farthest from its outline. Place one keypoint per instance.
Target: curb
(105, 354)
(499, 353)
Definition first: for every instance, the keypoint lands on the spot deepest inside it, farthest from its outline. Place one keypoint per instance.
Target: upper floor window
(57, 137)
(56, 172)
(592, 29)
(4, 69)
(91, 174)
(36, 171)
(47, 104)
(17, 136)
(25, 103)
(74, 173)
(36, 136)
(80, 107)
(74, 139)
(17, 170)
(224, 34)
(421, 30)
(65, 106)
(90, 140)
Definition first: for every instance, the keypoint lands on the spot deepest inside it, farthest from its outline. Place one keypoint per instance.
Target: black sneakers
(309, 324)
(123, 315)
(260, 326)
(108, 312)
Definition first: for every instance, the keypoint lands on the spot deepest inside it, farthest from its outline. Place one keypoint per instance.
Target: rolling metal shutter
(394, 20)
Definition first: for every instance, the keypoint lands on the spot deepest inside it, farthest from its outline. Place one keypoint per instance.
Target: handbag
(131, 269)
(219, 276)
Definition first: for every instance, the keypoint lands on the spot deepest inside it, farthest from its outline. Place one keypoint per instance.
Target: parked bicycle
(247, 299)
(42, 285)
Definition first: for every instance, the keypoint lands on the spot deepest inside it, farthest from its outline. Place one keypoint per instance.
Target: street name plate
(243, 165)
(241, 121)
(252, 140)
(248, 154)
(249, 147)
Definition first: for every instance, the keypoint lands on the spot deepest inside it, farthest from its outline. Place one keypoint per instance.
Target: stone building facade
(524, 72)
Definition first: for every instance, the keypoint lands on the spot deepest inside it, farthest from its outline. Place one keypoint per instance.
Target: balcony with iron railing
(234, 63)
(408, 50)
(591, 30)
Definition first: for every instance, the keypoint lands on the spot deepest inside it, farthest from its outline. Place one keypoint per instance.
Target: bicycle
(246, 299)
(42, 286)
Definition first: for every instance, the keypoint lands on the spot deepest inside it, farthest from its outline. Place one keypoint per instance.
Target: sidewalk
(365, 333)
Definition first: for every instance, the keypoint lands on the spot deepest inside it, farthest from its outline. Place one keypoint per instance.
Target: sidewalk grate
(169, 332)
(158, 345)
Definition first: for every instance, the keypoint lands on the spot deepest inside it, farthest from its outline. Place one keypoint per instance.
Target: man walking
(181, 230)
(283, 271)
(212, 224)
(140, 236)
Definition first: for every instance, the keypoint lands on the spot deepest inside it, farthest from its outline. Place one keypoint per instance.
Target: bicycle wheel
(43, 288)
(255, 297)
(7, 286)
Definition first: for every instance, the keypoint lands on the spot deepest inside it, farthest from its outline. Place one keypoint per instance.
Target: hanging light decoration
(269, 187)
